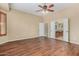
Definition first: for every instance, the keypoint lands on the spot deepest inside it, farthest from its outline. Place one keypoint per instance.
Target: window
(3, 25)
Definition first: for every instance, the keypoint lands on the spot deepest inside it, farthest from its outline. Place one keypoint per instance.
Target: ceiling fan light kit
(44, 12)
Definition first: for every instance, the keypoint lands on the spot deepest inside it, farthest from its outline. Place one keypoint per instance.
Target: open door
(66, 29)
(52, 29)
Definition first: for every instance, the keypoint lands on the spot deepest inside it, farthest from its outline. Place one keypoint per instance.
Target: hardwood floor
(39, 47)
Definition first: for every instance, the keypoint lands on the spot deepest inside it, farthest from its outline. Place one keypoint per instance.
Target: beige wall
(20, 26)
(4, 6)
(72, 13)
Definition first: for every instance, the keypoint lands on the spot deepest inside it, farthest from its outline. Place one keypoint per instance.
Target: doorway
(59, 30)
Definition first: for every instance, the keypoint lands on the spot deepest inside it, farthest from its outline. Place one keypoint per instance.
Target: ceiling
(32, 7)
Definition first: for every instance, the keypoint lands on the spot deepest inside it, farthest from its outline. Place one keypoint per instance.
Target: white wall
(20, 26)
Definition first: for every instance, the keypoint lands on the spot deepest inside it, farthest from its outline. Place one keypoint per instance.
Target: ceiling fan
(46, 8)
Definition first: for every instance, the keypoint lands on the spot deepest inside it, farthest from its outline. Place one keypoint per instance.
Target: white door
(66, 29)
(41, 29)
(52, 29)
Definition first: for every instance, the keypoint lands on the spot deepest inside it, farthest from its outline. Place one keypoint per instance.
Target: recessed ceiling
(32, 7)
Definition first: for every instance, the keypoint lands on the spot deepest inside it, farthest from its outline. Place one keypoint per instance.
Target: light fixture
(44, 11)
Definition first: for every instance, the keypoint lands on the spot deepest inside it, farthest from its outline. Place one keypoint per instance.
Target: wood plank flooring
(39, 47)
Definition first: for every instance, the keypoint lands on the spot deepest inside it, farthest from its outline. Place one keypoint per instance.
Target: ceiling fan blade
(40, 6)
(51, 5)
(50, 10)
